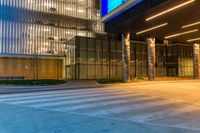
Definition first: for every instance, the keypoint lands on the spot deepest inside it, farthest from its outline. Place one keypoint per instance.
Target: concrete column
(196, 59)
(126, 57)
(151, 58)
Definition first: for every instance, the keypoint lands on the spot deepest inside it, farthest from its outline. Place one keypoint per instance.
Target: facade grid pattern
(43, 27)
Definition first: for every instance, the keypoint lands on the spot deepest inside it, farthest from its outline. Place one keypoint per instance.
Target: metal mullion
(0, 36)
(14, 37)
(3, 35)
(7, 36)
(12, 27)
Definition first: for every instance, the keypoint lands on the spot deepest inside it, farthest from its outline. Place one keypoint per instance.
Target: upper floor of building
(82, 9)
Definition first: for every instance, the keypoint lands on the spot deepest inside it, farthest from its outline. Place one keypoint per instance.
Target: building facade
(35, 35)
(65, 39)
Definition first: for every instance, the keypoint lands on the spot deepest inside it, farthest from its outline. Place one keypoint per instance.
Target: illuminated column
(126, 57)
(151, 58)
(196, 59)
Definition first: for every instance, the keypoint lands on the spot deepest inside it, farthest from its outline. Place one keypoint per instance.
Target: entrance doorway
(172, 71)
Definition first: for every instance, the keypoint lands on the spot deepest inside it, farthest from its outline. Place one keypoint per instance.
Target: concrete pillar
(196, 61)
(126, 57)
(151, 58)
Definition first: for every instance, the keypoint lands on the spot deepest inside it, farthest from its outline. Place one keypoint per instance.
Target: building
(168, 29)
(35, 36)
(65, 39)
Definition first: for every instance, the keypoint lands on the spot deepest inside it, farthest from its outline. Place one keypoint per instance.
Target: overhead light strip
(190, 25)
(182, 33)
(193, 40)
(153, 28)
(169, 10)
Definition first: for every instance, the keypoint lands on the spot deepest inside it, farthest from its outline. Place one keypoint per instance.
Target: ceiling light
(182, 33)
(192, 40)
(46, 29)
(150, 29)
(30, 1)
(81, 11)
(69, 8)
(169, 10)
(189, 25)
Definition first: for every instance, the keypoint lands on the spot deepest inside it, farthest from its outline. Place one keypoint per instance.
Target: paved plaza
(146, 107)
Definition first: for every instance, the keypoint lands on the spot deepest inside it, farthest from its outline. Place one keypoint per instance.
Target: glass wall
(97, 59)
(179, 60)
(160, 61)
(138, 59)
(185, 60)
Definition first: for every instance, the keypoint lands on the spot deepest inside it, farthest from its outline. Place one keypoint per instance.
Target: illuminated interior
(44, 27)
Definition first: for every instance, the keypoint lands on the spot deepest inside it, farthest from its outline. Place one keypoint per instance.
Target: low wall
(31, 68)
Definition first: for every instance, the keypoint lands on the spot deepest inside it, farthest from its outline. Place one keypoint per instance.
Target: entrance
(172, 72)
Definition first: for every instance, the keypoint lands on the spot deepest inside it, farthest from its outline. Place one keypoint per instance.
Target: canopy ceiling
(169, 23)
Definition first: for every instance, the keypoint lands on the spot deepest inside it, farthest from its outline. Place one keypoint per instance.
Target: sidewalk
(74, 84)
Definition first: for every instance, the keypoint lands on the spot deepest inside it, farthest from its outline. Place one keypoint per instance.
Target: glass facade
(37, 33)
(43, 27)
(180, 60)
(97, 59)
(66, 33)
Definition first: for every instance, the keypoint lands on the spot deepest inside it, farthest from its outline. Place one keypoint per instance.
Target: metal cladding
(151, 58)
(126, 57)
(196, 50)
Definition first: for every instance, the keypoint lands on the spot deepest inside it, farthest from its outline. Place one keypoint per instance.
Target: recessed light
(190, 25)
(182, 33)
(193, 40)
(170, 10)
(150, 29)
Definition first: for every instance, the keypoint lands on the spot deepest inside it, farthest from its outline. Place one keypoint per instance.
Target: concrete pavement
(167, 107)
